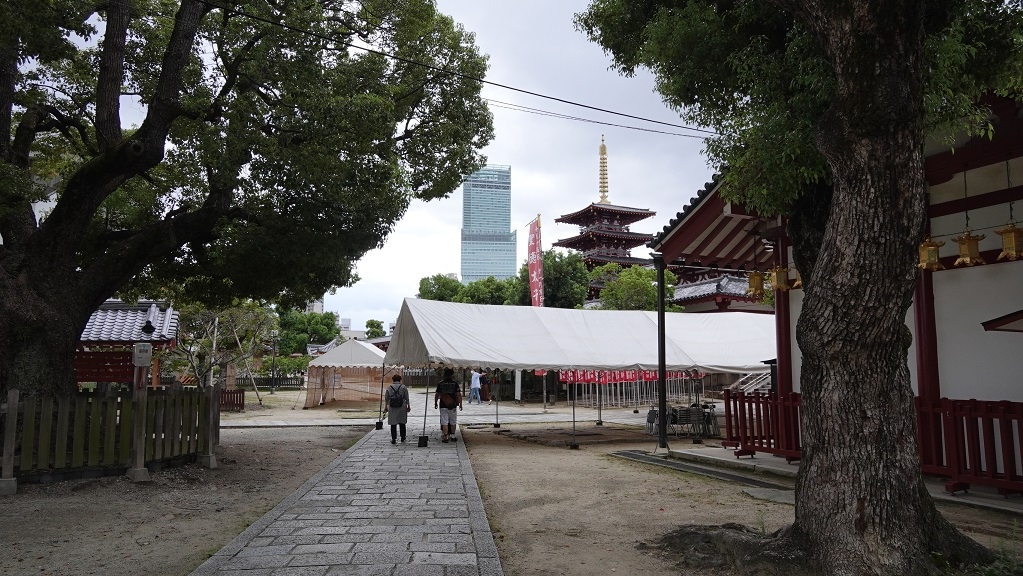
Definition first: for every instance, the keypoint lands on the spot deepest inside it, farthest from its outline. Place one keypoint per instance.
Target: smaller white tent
(526, 337)
(350, 372)
(351, 353)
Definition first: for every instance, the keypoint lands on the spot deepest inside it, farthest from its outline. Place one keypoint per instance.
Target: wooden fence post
(206, 456)
(8, 483)
(138, 471)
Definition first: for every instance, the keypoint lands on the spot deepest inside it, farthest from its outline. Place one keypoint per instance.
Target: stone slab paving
(377, 510)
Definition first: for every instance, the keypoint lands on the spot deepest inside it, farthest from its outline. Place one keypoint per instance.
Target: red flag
(534, 256)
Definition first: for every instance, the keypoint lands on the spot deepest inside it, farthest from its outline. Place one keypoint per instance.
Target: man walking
(449, 396)
(474, 386)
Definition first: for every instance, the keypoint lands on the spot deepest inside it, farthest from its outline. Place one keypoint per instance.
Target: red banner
(534, 256)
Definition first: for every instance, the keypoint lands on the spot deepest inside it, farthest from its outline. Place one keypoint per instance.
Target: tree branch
(111, 74)
(86, 189)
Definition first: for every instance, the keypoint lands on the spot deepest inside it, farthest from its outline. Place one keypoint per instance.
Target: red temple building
(604, 234)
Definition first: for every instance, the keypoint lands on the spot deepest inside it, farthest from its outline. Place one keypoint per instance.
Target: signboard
(142, 354)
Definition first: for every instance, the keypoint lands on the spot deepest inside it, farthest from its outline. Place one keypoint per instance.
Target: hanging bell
(929, 257)
(969, 248)
(1012, 242)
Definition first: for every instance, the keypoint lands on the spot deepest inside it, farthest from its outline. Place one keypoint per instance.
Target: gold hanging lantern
(756, 284)
(1012, 242)
(780, 278)
(969, 248)
(930, 259)
(1012, 237)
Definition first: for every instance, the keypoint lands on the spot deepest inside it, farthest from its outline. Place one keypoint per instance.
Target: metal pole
(662, 385)
(273, 359)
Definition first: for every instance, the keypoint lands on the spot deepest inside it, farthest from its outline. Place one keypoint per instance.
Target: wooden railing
(967, 441)
(232, 400)
(94, 431)
(763, 423)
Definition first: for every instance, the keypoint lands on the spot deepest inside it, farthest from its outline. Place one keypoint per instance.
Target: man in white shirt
(474, 387)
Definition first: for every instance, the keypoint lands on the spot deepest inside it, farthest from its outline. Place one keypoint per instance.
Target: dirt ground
(552, 510)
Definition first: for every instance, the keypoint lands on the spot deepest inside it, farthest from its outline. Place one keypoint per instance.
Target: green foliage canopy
(374, 329)
(755, 74)
(297, 329)
(439, 287)
(565, 281)
(633, 288)
(271, 156)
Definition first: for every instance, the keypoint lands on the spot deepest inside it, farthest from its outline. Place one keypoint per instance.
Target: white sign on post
(142, 354)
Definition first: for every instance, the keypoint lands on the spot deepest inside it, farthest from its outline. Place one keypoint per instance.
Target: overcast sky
(533, 45)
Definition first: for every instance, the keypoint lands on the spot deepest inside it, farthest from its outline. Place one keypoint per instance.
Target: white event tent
(432, 333)
(350, 371)
(351, 353)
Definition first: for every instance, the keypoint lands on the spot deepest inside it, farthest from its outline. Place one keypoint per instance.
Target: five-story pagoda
(604, 234)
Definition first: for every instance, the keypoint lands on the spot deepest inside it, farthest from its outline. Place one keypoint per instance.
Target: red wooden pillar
(783, 325)
(928, 384)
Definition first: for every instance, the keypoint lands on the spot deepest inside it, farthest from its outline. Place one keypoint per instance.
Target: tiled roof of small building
(727, 285)
(116, 321)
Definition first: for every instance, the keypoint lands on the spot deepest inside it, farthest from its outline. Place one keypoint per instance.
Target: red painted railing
(967, 441)
(764, 423)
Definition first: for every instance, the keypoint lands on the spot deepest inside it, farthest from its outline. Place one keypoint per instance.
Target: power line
(452, 72)
(539, 112)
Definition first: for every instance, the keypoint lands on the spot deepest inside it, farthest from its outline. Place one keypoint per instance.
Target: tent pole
(380, 409)
(424, 440)
(662, 385)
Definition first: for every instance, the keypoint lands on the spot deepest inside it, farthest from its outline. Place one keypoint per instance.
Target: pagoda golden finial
(603, 171)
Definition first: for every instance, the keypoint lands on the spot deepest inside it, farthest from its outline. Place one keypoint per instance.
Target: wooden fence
(232, 400)
(94, 431)
(966, 441)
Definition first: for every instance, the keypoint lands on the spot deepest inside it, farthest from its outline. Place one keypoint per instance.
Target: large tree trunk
(860, 499)
(40, 323)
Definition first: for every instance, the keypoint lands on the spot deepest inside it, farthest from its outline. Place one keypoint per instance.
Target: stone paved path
(379, 509)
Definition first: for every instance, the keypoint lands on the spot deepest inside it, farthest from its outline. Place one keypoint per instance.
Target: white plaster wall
(973, 363)
(795, 309)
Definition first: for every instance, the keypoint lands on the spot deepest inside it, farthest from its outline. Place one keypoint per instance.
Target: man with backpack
(397, 407)
(449, 397)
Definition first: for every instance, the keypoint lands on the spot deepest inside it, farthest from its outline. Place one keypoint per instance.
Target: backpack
(396, 401)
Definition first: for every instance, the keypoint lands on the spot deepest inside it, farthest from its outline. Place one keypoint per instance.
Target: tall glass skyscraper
(488, 242)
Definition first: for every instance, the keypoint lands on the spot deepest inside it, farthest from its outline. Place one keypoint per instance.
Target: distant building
(344, 324)
(604, 234)
(488, 242)
(314, 306)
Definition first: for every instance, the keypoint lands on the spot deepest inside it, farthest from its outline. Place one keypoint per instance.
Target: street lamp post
(273, 360)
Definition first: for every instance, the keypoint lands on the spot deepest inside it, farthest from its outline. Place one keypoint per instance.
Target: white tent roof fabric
(432, 333)
(351, 353)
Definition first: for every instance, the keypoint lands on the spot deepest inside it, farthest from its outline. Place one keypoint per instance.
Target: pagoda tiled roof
(118, 322)
(586, 215)
(628, 260)
(590, 236)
